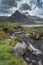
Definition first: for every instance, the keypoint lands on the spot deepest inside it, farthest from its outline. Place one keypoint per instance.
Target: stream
(35, 46)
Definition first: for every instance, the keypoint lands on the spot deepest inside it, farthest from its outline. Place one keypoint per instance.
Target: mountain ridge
(18, 17)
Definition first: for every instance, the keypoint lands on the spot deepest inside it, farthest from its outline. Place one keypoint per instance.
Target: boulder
(39, 62)
(19, 48)
(27, 59)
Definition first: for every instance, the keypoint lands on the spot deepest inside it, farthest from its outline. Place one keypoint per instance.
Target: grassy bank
(6, 55)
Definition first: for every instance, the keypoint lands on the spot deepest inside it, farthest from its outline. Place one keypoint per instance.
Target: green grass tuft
(6, 55)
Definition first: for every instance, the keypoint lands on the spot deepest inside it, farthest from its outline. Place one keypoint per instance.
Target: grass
(6, 55)
(6, 45)
(38, 22)
(33, 29)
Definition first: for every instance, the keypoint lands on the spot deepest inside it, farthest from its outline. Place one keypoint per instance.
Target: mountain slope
(3, 18)
(17, 17)
(21, 18)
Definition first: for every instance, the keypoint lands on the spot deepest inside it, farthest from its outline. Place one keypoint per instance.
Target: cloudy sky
(28, 7)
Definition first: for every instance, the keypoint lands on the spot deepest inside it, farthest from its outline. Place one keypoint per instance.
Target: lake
(33, 25)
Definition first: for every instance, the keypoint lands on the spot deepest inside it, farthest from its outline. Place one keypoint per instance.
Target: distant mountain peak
(20, 18)
(16, 12)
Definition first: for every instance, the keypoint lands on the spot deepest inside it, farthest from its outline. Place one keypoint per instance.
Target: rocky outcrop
(19, 48)
(30, 53)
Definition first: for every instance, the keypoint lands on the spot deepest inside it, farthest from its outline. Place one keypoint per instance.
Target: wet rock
(27, 59)
(42, 46)
(37, 53)
(19, 48)
(30, 64)
(39, 62)
(34, 50)
(34, 62)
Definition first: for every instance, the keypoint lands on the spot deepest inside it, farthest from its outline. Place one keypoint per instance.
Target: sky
(28, 7)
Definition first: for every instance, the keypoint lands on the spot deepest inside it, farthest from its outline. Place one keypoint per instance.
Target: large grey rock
(27, 59)
(19, 48)
(39, 62)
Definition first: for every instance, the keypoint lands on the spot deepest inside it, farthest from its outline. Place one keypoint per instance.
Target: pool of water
(33, 25)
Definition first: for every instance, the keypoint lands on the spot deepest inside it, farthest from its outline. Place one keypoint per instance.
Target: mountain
(20, 18)
(3, 18)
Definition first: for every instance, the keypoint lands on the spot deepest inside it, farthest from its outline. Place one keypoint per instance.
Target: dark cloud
(9, 2)
(25, 6)
(39, 3)
(18, 0)
(6, 5)
(5, 11)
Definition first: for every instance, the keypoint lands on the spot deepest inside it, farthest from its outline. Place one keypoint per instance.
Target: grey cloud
(18, 0)
(25, 6)
(9, 2)
(6, 5)
(5, 11)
